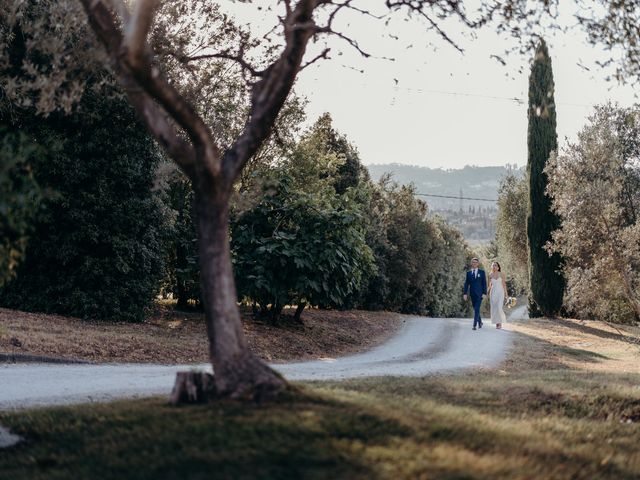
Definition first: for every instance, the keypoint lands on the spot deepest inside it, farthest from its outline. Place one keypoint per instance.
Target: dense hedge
(97, 245)
(19, 197)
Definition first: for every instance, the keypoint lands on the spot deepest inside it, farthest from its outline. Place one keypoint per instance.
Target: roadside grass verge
(547, 425)
(534, 417)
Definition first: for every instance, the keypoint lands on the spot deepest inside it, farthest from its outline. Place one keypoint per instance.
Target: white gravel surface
(8, 439)
(423, 346)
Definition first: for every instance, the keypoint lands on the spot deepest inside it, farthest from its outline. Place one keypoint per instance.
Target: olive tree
(594, 187)
(189, 140)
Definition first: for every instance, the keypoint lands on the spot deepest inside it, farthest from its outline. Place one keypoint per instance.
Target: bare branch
(442, 9)
(137, 70)
(158, 124)
(228, 56)
(365, 12)
(323, 54)
(350, 41)
(442, 33)
(271, 91)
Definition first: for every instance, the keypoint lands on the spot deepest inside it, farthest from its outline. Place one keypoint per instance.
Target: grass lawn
(551, 411)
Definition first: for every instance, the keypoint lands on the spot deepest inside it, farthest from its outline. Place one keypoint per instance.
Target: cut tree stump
(192, 387)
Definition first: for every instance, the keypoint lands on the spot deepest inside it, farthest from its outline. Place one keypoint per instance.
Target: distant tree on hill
(546, 280)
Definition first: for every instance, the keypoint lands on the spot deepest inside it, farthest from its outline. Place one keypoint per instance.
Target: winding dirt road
(423, 346)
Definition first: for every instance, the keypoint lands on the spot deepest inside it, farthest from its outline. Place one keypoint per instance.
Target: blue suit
(475, 287)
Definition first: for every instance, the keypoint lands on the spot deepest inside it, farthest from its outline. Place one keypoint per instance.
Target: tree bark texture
(238, 373)
(192, 387)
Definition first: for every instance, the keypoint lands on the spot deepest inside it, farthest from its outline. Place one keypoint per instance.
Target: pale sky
(447, 109)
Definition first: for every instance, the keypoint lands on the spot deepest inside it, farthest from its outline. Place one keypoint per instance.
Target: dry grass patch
(582, 345)
(170, 336)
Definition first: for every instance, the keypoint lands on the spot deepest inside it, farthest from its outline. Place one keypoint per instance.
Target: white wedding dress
(497, 301)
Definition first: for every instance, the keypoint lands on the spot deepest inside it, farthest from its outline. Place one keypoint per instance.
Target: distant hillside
(474, 218)
(480, 182)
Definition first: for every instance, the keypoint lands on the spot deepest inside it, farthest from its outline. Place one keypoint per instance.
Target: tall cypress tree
(546, 280)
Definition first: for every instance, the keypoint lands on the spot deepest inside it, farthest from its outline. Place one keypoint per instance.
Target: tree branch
(350, 41)
(323, 54)
(133, 63)
(158, 124)
(270, 92)
(442, 8)
(137, 30)
(228, 56)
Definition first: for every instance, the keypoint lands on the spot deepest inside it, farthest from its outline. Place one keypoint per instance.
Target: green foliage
(511, 231)
(182, 278)
(453, 255)
(325, 139)
(420, 261)
(46, 50)
(595, 186)
(96, 251)
(299, 247)
(19, 198)
(546, 280)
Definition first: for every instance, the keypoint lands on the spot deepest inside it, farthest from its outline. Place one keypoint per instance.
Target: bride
(497, 291)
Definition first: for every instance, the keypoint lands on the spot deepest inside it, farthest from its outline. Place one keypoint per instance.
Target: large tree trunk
(238, 373)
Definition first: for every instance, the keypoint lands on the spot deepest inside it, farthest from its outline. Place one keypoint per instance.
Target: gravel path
(8, 439)
(423, 346)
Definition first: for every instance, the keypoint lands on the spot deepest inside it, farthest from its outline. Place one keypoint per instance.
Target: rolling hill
(474, 218)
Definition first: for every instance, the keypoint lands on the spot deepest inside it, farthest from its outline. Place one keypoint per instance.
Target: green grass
(557, 424)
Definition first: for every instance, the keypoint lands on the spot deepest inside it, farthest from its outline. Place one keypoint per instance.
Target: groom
(476, 286)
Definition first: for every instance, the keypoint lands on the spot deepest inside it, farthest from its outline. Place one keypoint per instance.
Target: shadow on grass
(544, 422)
(524, 426)
(586, 329)
(303, 436)
(476, 426)
(580, 354)
(535, 353)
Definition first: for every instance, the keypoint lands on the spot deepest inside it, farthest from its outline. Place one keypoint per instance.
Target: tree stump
(192, 387)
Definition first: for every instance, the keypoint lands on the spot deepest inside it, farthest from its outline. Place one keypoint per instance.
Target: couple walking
(475, 286)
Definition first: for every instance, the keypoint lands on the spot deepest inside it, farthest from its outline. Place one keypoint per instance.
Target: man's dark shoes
(473, 328)
(480, 326)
